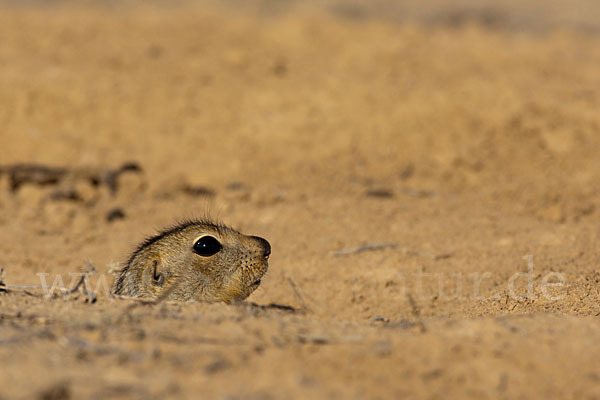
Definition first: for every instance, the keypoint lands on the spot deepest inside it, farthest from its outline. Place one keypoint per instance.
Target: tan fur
(166, 266)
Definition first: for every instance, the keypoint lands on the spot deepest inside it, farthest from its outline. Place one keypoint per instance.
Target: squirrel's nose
(265, 246)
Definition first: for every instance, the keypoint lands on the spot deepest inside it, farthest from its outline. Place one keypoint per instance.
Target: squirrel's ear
(155, 272)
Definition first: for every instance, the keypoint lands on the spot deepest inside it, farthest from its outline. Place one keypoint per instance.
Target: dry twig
(380, 246)
(366, 247)
(416, 313)
(81, 286)
(301, 298)
(298, 295)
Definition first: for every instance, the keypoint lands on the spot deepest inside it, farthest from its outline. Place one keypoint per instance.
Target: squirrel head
(196, 260)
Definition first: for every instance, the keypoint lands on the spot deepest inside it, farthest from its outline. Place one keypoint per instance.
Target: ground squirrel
(195, 260)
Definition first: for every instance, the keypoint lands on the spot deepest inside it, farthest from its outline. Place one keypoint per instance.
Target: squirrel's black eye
(207, 246)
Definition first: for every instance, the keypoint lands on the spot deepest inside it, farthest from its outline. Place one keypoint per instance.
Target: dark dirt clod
(115, 214)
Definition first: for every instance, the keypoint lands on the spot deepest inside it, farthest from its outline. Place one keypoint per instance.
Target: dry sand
(463, 142)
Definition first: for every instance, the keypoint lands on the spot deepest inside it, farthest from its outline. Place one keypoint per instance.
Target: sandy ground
(459, 144)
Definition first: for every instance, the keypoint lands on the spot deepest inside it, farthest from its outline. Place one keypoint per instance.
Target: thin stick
(19, 287)
(416, 313)
(366, 247)
(297, 293)
(81, 285)
(380, 246)
(312, 300)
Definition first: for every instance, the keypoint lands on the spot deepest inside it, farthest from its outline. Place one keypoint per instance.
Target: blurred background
(465, 133)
